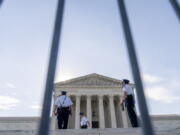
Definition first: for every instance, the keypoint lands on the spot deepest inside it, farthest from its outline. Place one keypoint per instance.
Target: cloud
(63, 77)
(6, 102)
(7, 107)
(10, 85)
(37, 107)
(162, 94)
(160, 89)
(151, 78)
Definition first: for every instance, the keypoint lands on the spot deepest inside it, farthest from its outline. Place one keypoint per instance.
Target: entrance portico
(98, 97)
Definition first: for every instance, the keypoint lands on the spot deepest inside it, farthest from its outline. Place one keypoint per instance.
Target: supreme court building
(98, 97)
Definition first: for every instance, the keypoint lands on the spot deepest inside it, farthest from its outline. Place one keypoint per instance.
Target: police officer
(84, 121)
(62, 108)
(128, 98)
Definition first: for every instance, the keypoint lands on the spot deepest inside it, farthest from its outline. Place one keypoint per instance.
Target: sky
(92, 41)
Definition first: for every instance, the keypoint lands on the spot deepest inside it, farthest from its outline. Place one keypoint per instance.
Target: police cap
(63, 92)
(126, 81)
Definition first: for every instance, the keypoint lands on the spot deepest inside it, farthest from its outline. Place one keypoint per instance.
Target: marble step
(116, 131)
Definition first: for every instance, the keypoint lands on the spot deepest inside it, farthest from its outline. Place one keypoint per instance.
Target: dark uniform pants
(130, 109)
(63, 115)
(84, 126)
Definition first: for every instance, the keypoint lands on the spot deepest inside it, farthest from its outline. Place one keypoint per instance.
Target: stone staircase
(163, 125)
(160, 130)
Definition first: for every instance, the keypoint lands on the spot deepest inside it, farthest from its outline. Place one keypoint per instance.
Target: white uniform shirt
(84, 121)
(129, 89)
(63, 101)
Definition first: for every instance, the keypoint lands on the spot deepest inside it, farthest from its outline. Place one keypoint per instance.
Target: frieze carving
(91, 81)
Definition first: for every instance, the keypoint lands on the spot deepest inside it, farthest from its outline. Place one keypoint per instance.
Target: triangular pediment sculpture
(91, 80)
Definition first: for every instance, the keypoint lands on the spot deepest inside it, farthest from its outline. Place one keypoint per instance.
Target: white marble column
(77, 116)
(101, 111)
(53, 118)
(124, 115)
(89, 111)
(112, 112)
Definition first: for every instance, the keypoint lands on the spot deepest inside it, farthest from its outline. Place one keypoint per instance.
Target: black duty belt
(63, 107)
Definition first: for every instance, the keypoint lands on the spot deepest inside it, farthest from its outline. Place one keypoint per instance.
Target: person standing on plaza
(128, 98)
(62, 109)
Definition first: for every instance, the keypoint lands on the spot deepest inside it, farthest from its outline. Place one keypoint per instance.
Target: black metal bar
(176, 7)
(145, 119)
(1, 1)
(45, 117)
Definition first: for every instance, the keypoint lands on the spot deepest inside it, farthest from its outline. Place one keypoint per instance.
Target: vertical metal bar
(45, 117)
(176, 7)
(145, 119)
(1, 1)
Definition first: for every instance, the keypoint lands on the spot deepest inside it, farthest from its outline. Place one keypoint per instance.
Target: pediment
(92, 80)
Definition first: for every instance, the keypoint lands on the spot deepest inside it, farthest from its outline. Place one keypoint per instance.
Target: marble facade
(98, 97)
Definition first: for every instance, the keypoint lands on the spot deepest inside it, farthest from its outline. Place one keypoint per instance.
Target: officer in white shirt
(129, 102)
(62, 108)
(84, 123)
